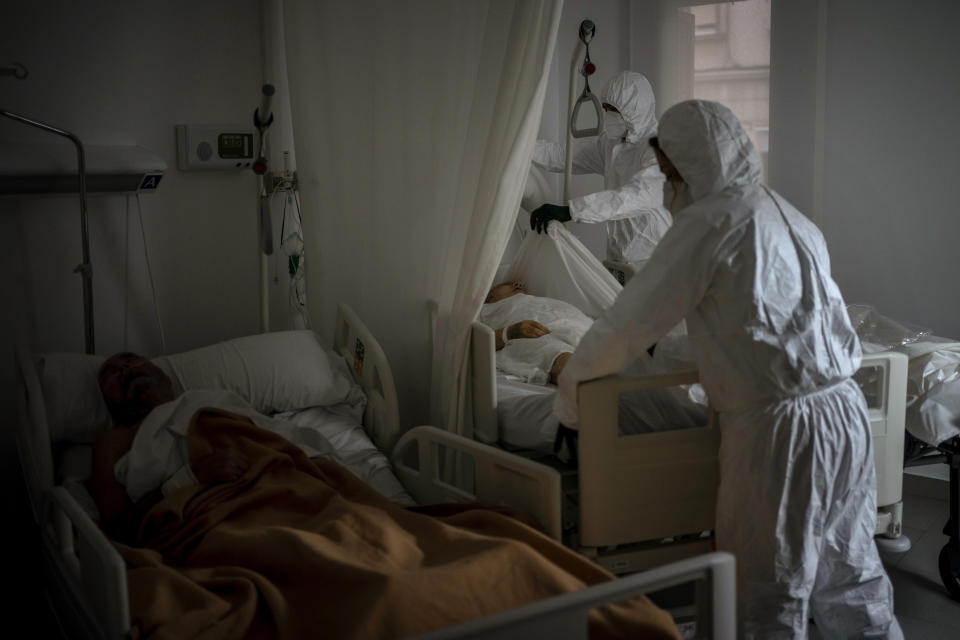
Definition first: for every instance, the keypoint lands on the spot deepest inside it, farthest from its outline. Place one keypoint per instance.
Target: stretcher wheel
(950, 571)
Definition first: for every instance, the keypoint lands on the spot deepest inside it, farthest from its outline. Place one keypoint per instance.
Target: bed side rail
(499, 477)
(370, 368)
(483, 373)
(33, 434)
(645, 486)
(94, 571)
(564, 617)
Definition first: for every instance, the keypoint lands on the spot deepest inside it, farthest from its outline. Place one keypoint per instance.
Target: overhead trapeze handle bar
(586, 33)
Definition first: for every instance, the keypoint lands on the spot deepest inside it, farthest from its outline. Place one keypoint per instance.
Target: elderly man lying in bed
(231, 530)
(535, 336)
(145, 457)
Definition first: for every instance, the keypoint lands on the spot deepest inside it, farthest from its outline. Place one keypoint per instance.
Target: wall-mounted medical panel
(52, 168)
(202, 147)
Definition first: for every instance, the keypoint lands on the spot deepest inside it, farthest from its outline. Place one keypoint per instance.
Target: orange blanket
(298, 549)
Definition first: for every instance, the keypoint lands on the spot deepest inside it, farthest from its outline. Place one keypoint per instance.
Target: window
(732, 63)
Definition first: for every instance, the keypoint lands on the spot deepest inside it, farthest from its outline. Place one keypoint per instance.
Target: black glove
(543, 214)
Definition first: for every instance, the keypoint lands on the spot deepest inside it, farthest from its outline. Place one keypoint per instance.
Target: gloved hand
(543, 214)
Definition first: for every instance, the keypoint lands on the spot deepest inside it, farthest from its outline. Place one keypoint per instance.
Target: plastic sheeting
(874, 328)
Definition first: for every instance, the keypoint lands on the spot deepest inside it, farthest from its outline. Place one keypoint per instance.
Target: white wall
(125, 73)
(882, 182)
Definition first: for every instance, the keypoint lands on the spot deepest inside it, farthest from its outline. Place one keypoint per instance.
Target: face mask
(614, 126)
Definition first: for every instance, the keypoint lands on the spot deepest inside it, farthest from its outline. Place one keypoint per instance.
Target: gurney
(932, 418)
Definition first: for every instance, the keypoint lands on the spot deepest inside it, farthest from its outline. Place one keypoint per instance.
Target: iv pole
(262, 118)
(85, 269)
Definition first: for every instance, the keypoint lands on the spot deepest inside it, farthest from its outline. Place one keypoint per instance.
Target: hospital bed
(638, 500)
(86, 577)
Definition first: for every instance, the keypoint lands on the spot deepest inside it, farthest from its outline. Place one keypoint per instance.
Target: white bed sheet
(525, 413)
(354, 448)
(338, 424)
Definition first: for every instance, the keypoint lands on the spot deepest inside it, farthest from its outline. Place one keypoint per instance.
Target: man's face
(503, 290)
(132, 386)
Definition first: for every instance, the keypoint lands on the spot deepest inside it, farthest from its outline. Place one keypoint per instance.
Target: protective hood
(632, 95)
(709, 147)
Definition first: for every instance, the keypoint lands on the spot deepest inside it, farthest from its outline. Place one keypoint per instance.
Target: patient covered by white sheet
(535, 335)
(933, 373)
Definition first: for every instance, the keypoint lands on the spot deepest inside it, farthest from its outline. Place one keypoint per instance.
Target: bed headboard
(371, 370)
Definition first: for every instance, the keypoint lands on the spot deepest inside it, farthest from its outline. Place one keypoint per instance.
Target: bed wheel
(950, 570)
(900, 544)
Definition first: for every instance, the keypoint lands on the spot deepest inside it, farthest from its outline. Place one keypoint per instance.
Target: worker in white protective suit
(775, 350)
(631, 203)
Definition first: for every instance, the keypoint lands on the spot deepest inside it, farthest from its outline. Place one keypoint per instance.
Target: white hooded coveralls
(775, 351)
(632, 200)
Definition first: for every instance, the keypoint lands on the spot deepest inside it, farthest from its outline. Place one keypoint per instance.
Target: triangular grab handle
(584, 133)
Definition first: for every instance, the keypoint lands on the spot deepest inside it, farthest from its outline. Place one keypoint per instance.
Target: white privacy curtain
(414, 125)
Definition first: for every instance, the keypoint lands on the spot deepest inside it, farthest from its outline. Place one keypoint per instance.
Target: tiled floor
(922, 605)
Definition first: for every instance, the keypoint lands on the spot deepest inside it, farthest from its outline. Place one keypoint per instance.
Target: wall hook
(18, 71)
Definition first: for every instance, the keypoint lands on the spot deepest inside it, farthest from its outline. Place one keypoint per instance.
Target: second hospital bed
(87, 577)
(641, 497)
(630, 492)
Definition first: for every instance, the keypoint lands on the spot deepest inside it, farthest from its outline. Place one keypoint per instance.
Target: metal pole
(85, 269)
(571, 100)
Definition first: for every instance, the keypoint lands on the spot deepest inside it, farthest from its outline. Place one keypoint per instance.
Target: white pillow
(280, 371)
